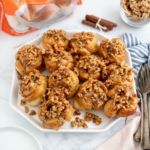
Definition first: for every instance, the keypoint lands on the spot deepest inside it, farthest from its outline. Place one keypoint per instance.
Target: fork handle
(146, 144)
(137, 135)
(148, 104)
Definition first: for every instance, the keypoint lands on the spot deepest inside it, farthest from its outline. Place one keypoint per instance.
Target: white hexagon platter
(15, 99)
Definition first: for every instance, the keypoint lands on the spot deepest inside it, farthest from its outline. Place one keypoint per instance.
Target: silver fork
(145, 89)
(137, 135)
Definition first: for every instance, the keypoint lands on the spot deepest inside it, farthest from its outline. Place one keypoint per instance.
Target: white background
(107, 9)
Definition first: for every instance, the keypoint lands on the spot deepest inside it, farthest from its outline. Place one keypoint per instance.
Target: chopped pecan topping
(96, 90)
(81, 40)
(76, 58)
(75, 70)
(90, 64)
(117, 74)
(113, 47)
(32, 112)
(22, 103)
(26, 109)
(20, 77)
(30, 81)
(73, 124)
(56, 106)
(28, 55)
(56, 35)
(63, 78)
(123, 98)
(56, 55)
(76, 112)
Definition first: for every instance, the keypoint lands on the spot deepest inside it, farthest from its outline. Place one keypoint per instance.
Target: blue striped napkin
(139, 51)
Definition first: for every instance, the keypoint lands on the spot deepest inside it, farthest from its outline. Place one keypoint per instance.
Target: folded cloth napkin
(123, 139)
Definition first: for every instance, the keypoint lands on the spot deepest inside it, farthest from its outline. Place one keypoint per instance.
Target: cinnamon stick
(103, 22)
(89, 23)
(114, 24)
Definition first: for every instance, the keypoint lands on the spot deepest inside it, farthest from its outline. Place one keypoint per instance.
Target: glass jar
(132, 20)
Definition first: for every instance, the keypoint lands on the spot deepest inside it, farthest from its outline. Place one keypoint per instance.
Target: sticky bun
(122, 102)
(39, 13)
(32, 87)
(89, 67)
(55, 110)
(63, 3)
(56, 58)
(55, 37)
(83, 43)
(117, 74)
(113, 50)
(92, 94)
(64, 79)
(29, 58)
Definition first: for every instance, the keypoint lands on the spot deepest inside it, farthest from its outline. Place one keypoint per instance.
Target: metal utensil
(148, 96)
(144, 90)
(137, 135)
(148, 105)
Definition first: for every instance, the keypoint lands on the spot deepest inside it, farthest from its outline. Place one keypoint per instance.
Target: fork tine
(141, 73)
(137, 77)
(148, 73)
(140, 77)
(145, 74)
(147, 69)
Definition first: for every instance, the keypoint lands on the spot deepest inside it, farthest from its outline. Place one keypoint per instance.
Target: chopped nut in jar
(26, 109)
(32, 112)
(137, 8)
(73, 124)
(76, 112)
(22, 102)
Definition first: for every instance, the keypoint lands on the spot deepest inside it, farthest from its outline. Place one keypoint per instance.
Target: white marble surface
(108, 9)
